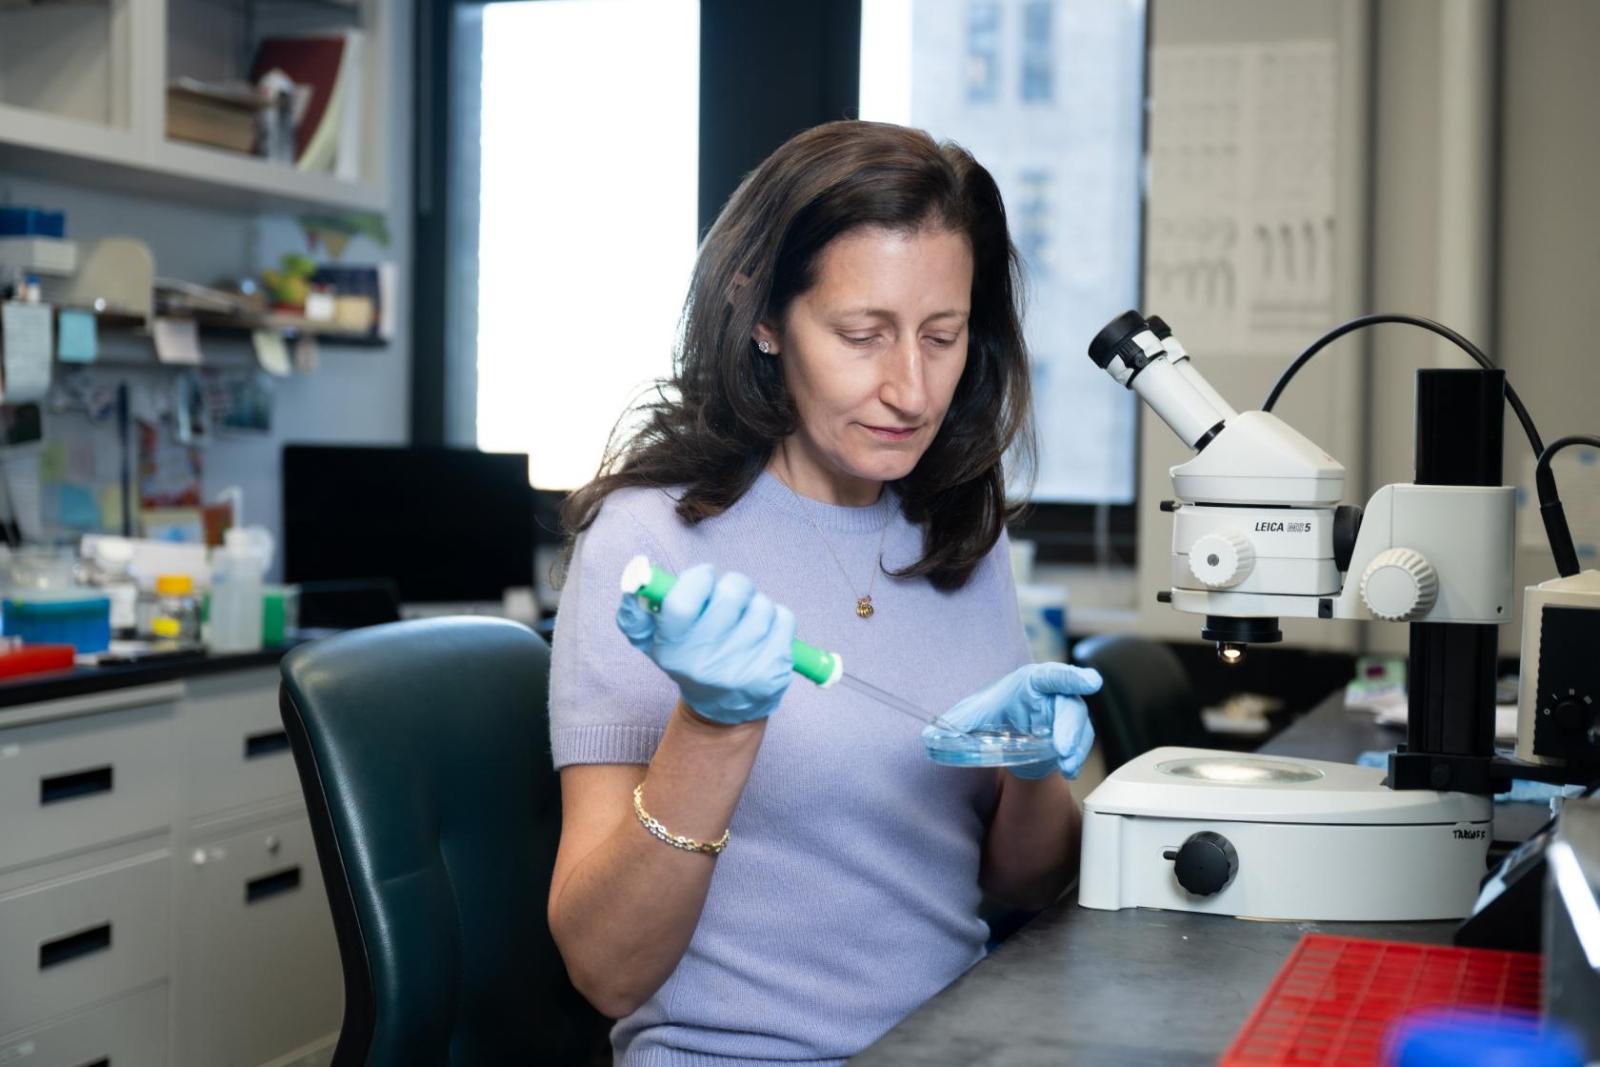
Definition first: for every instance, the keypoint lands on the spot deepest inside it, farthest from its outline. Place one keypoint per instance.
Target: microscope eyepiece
(1131, 350)
(1120, 329)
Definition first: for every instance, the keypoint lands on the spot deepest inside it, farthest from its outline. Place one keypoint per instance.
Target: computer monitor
(446, 525)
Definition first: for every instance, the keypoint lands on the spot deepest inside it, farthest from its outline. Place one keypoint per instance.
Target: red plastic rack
(1335, 998)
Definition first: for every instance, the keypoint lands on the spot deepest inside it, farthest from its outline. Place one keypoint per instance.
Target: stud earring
(765, 347)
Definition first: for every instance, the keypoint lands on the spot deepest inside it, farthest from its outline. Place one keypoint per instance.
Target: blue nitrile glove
(726, 645)
(1041, 698)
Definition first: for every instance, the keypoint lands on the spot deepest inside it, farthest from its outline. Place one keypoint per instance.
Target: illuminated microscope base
(1278, 838)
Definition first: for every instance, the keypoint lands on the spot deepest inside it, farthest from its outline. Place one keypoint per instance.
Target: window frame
(746, 110)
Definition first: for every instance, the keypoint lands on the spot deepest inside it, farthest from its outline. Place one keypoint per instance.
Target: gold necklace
(864, 608)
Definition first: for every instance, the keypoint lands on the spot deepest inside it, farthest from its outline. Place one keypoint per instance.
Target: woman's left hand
(1041, 698)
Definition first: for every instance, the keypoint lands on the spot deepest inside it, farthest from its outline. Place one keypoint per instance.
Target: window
(1038, 51)
(1066, 148)
(588, 146)
(983, 51)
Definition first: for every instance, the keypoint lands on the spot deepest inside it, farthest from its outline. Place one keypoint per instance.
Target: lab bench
(160, 899)
(1141, 987)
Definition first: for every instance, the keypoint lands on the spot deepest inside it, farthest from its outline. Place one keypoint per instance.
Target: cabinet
(236, 751)
(88, 779)
(130, 1031)
(259, 973)
(160, 899)
(71, 943)
(83, 97)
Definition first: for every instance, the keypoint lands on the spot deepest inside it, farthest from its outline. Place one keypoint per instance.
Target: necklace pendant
(864, 608)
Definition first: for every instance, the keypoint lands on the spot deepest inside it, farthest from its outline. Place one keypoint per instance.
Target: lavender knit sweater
(849, 892)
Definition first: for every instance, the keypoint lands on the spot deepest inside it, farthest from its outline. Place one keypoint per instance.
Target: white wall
(1548, 233)
(1324, 401)
(1467, 150)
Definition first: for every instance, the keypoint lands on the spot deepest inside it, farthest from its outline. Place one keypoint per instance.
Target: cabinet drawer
(261, 973)
(67, 785)
(238, 752)
(68, 943)
(131, 1032)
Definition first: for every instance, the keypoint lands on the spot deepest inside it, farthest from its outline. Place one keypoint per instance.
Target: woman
(851, 375)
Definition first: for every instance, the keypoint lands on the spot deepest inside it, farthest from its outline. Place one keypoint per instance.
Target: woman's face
(872, 353)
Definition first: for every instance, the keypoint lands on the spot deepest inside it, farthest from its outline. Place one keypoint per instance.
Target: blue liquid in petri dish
(988, 748)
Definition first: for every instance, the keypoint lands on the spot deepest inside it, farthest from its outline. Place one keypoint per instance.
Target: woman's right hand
(726, 645)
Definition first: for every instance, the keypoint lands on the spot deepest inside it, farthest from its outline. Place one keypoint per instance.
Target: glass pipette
(900, 704)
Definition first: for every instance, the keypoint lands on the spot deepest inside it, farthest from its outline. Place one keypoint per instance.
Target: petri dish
(988, 748)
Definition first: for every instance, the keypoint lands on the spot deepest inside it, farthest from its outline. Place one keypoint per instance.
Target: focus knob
(1399, 585)
(1205, 864)
(1221, 560)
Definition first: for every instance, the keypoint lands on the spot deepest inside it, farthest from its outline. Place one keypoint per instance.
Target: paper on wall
(272, 352)
(177, 340)
(27, 342)
(1242, 232)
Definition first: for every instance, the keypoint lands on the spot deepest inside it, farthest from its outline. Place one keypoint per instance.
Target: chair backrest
(423, 748)
(1147, 700)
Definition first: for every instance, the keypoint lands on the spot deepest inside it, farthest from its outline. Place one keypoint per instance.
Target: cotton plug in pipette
(948, 743)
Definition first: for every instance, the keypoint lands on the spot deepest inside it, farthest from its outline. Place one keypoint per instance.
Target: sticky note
(272, 352)
(177, 340)
(53, 460)
(77, 336)
(76, 507)
(27, 347)
(109, 497)
(306, 353)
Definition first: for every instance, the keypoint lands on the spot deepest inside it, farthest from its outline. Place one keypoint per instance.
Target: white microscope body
(1257, 536)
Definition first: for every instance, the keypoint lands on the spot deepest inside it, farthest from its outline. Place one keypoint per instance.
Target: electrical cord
(1550, 509)
(1408, 320)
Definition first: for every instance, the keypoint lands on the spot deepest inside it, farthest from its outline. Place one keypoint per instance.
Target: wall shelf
(47, 136)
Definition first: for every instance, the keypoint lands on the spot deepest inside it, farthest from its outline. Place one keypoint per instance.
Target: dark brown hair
(711, 427)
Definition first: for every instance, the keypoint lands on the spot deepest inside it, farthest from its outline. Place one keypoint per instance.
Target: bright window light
(886, 61)
(587, 233)
(1049, 96)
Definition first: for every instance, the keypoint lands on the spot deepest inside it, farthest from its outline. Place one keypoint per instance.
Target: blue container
(82, 622)
(1474, 1039)
(17, 221)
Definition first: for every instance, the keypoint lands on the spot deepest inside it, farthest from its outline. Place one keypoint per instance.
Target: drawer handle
(271, 885)
(267, 744)
(103, 1061)
(65, 949)
(75, 785)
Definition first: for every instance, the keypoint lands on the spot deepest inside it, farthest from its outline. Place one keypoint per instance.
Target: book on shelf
(218, 114)
(328, 137)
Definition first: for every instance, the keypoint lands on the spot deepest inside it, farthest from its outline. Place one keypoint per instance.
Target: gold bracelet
(661, 833)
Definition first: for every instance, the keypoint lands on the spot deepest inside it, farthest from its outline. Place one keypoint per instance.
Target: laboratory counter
(83, 681)
(1137, 986)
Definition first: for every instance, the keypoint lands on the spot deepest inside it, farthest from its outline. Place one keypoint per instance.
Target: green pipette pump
(652, 584)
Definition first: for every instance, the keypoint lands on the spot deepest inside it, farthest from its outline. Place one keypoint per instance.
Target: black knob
(1105, 344)
(1206, 863)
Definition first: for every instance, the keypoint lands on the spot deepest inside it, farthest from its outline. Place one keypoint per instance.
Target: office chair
(1147, 700)
(423, 748)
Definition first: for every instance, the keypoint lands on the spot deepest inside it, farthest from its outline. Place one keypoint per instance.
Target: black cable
(1409, 320)
(1550, 509)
